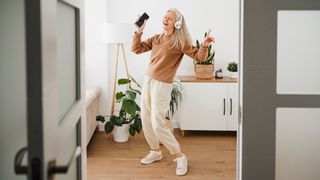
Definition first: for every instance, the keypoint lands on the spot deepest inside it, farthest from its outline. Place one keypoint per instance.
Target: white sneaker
(182, 165)
(151, 157)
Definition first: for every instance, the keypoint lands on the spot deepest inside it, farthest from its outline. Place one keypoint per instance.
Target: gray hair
(182, 35)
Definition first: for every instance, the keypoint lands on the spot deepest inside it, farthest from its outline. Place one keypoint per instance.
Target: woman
(167, 50)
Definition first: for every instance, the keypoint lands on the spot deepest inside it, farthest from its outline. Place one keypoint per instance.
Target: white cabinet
(209, 106)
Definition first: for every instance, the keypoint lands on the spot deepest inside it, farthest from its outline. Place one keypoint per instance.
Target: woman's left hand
(208, 39)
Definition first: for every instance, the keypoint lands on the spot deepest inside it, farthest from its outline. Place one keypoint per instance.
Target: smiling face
(168, 21)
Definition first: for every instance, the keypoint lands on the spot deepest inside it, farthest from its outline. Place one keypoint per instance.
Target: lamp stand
(118, 45)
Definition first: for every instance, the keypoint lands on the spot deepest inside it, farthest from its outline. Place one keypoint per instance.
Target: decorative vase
(233, 75)
(121, 133)
(204, 71)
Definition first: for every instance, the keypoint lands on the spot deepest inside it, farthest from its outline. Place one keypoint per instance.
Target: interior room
(205, 115)
(125, 90)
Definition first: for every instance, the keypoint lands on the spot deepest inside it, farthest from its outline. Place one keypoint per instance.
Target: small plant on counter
(232, 67)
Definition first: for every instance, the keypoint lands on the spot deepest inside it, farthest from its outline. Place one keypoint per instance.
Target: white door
(55, 91)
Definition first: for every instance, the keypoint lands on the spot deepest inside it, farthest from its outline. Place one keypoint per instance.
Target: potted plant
(128, 119)
(175, 102)
(233, 69)
(204, 69)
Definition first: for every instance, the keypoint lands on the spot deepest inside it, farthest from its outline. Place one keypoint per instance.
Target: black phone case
(141, 19)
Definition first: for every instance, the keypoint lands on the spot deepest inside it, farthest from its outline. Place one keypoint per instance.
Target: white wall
(222, 16)
(95, 51)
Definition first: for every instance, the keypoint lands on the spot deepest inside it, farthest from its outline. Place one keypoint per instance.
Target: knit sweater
(164, 59)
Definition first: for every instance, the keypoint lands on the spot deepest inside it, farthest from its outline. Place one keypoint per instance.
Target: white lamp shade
(117, 33)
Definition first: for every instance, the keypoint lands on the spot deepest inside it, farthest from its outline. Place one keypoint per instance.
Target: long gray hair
(182, 35)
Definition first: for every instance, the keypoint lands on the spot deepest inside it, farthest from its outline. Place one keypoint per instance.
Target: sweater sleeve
(196, 54)
(139, 46)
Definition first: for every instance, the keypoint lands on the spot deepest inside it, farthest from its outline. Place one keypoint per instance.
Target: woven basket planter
(204, 71)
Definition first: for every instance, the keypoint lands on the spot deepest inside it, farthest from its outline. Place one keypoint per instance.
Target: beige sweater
(164, 61)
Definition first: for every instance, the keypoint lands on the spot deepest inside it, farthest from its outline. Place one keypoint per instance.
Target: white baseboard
(175, 124)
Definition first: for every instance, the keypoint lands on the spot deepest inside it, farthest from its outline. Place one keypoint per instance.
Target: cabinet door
(204, 106)
(232, 108)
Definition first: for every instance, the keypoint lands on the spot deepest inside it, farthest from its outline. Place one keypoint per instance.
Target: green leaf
(210, 57)
(112, 120)
(118, 121)
(205, 34)
(122, 113)
(138, 123)
(197, 44)
(131, 95)
(123, 81)
(135, 81)
(132, 130)
(137, 91)
(100, 118)
(108, 127)
(209, 50)
(119, 95)
(232, 67)
(129, 106)
(138, 107)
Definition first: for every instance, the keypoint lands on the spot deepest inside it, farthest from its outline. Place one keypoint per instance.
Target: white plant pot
(121, 133)
(233, 75)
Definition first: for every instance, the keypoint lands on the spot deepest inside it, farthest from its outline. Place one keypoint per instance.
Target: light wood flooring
(211, 155)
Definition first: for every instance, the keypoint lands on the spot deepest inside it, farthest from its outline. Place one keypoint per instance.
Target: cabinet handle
(224, 106)
(230, 106)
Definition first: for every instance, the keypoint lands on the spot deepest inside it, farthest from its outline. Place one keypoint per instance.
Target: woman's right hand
(140, 29)
(208, 39)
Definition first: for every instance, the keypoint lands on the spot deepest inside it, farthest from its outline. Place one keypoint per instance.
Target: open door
(281, 90)
(55, 91)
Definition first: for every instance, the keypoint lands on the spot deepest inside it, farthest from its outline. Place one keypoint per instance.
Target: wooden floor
(211, 155)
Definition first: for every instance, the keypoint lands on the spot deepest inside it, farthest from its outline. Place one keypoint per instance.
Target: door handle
(224, 106)
(230, 106)
(18, 167)
(54, 169)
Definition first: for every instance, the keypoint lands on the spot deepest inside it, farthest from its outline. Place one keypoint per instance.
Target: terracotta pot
(204, 71)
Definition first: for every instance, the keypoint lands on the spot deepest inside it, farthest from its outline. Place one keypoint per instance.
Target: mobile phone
(141, 19)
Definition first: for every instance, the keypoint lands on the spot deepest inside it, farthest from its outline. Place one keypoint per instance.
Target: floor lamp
(117, 35)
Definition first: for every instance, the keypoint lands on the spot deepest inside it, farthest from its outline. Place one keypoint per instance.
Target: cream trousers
(155, 99)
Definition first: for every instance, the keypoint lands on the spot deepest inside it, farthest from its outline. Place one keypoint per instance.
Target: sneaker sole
(151, 161)
(182, 174)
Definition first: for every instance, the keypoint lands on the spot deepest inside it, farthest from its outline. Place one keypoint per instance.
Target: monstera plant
(129, 113)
